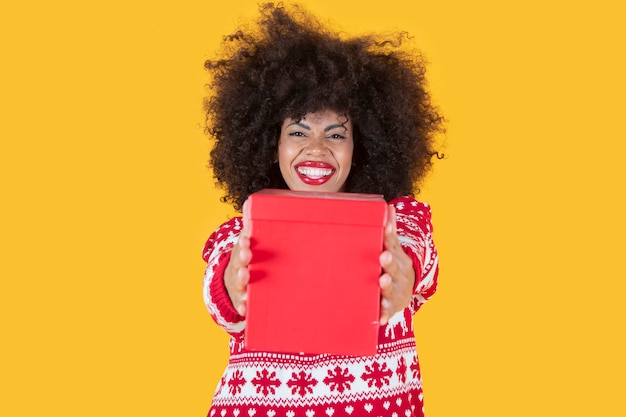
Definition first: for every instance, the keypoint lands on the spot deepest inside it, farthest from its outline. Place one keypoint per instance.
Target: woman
(296, 106)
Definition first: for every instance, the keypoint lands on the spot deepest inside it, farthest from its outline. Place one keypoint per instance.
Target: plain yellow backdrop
(106, 202)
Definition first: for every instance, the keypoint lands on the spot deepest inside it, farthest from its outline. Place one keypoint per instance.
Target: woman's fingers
(237, 275)
(386, 290)
(396, 282)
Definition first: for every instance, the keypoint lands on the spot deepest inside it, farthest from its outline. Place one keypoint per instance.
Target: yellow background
(106, 203)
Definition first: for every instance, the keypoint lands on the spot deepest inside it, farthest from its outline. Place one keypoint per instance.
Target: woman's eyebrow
(326, 129)
(302, 125)
(335, 126)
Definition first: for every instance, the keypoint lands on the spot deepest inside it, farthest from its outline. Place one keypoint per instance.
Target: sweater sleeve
(415, 233)
(216, 254)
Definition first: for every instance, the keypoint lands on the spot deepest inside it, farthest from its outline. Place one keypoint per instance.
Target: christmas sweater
(265, 384)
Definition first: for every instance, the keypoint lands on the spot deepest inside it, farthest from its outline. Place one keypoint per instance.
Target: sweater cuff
(417, 267)
(219, 294)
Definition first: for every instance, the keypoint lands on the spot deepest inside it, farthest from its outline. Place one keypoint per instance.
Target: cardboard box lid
(314, 207)
(314, 283)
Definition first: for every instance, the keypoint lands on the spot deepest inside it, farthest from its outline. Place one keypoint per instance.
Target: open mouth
(314, 172)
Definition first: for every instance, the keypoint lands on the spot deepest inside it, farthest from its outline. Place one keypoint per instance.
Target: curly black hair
(289, 65)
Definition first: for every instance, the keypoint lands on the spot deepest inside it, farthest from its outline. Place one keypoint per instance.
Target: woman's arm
(217, 253)
(410, 275)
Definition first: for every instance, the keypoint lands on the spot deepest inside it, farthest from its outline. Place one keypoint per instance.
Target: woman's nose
(316, 147)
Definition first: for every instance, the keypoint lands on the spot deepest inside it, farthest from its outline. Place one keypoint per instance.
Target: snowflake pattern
(415, 369)
(265, 382)
(401, 370)
(221, 385)
(377, 375)
(237, 381)
(339, 379)
(302, 383)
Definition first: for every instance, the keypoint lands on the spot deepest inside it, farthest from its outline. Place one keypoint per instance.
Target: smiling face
(315, 152)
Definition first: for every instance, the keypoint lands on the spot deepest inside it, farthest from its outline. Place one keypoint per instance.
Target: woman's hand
(237, 275)
(396, 282)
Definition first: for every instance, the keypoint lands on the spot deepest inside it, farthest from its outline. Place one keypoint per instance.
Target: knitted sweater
(263, 384)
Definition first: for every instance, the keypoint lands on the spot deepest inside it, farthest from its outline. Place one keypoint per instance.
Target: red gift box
(314, 272)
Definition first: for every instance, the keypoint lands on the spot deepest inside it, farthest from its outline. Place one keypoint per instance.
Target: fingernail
(386, 257)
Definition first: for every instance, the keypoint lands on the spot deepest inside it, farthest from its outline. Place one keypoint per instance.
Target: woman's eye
(298, 134)
(337, 136)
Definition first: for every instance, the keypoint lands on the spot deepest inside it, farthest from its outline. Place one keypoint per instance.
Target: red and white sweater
(262, 384)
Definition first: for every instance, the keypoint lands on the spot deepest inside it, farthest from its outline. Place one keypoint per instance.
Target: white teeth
(314, 172)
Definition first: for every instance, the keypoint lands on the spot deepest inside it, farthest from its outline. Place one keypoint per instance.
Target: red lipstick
(314, 172)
